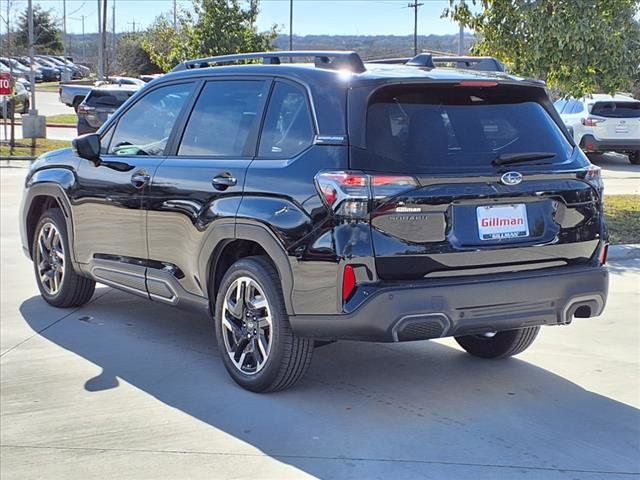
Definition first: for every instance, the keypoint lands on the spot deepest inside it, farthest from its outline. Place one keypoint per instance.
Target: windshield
(421, 129)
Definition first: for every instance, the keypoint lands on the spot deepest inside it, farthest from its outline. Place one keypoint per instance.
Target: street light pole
(290, 24)
(32, 73)
(64, 29)
(100, 65)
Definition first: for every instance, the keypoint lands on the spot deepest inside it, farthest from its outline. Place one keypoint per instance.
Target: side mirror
(88, 147)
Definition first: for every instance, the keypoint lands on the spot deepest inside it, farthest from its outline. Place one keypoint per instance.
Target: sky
(331, 17)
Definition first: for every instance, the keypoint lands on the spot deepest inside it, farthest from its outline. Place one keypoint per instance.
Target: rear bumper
(479, 304)
(590, 144)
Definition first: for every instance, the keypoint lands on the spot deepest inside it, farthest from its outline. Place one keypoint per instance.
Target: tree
(47, 37)
(577, 46)
(217, 27)
(131, 58)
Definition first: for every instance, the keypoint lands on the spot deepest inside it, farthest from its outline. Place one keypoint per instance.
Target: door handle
(224, 181)
(140, 179)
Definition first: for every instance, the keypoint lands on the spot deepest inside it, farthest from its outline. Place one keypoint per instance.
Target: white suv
(601, 123)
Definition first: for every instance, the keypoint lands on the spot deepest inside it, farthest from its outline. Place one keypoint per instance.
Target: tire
(634, 158)
(258, 325)
(501, 345)
(67, 289)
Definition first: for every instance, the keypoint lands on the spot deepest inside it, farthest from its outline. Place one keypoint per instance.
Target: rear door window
(107, 99)
(413, 129)
(223, 119)
(616, 109)
(288, 129)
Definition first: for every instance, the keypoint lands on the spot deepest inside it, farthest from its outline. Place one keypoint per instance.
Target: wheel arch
(39, 197)
(221, 251)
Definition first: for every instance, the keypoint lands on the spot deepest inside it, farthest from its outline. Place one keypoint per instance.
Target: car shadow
(612, 161)
(424, 404)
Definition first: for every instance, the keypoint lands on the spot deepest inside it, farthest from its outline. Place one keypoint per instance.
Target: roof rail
(390, 61)
(332, 60)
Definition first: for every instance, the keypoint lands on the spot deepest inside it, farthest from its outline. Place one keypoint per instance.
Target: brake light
(477, 83)
(83, 109)
(349, 194)
(348, 283)
(593, 176)
(591, 122)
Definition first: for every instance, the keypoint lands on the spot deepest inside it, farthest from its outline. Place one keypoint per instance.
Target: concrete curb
(53, 125)
(624, 251)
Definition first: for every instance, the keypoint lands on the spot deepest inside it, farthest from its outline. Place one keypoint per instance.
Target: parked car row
(602, 123)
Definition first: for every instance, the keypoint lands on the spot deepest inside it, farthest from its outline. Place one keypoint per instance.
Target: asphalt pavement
(126, 388)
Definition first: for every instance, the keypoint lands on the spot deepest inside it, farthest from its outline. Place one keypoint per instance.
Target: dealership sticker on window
(496, 222)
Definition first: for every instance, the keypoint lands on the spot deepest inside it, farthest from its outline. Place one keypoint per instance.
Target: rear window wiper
(509, 158)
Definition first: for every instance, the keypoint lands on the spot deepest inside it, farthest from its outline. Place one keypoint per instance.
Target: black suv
(301, 203)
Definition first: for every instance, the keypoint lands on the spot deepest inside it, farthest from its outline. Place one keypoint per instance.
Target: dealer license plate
(497, 222)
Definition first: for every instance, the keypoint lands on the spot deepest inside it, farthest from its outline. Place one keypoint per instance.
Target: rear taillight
(593, 176)
(349, 194)
(591, 122)
(83, 109)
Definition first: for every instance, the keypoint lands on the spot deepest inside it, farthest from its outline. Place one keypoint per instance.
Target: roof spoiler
(331, 60)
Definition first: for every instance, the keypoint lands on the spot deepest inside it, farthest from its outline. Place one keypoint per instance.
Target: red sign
(5, 84)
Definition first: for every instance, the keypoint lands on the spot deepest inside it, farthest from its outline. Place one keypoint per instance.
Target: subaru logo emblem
(511, 178)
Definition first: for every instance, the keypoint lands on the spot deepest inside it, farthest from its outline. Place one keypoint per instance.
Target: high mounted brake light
(349, 194)
(477, 83)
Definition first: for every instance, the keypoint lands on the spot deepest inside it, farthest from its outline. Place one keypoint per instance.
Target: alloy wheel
(247, 327)
(50, 258)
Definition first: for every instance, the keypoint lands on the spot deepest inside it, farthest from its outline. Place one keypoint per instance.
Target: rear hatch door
(616, 120)
(495, 185)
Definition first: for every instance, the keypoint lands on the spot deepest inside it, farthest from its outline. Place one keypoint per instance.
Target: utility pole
(290, 24)
(84, 45)
(461, 34)
(113, 32)
(104, 36)
(415, 5)
(100, 53)
(64, 34)
(175, 15)
(134, 25)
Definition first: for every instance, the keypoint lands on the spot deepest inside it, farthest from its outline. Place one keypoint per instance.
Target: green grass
(47, 86)
(622, 213)
(23, 148)
(63, 119)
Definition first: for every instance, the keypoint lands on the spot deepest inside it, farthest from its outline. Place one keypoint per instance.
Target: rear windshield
(115, 98)
(413, 129)
(616, 109)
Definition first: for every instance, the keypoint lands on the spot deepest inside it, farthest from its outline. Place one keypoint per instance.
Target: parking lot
(124, 388)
